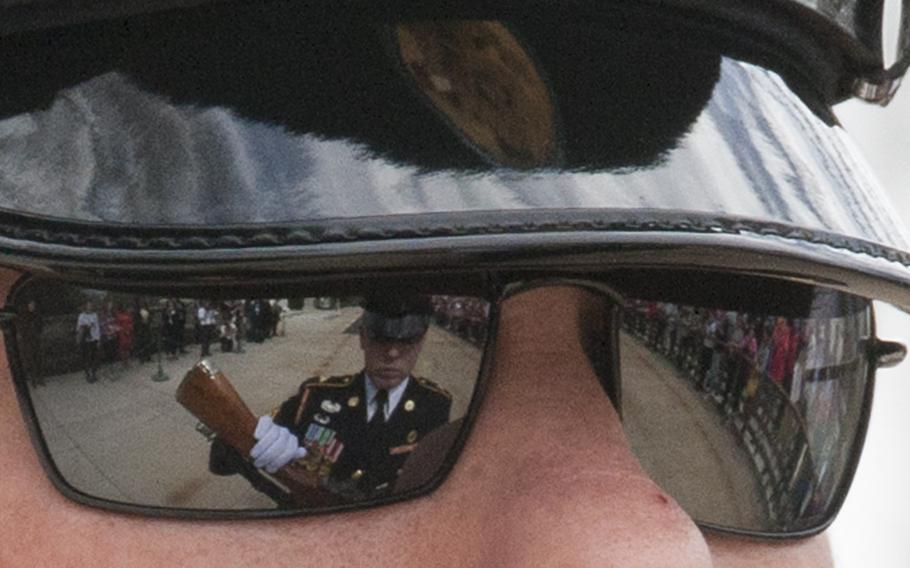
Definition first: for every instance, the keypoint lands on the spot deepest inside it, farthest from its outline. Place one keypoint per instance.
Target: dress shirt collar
(395, 395)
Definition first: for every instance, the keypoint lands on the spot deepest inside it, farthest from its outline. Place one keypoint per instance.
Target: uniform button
(357, 474)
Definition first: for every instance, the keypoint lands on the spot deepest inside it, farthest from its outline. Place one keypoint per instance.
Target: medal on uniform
(333, 450)
(318, 437)
(330, 406)
(321, 418)
(324, 448)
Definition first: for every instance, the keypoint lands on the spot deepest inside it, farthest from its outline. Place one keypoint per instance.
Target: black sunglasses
(744, 392)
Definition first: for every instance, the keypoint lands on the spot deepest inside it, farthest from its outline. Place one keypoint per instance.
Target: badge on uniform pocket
(330, 406)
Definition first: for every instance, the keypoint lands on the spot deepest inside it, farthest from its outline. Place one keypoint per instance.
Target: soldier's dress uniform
(329, 417)
(355, 459)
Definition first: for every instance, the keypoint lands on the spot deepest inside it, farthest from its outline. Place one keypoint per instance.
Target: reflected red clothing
(124, 323)
(780, 355)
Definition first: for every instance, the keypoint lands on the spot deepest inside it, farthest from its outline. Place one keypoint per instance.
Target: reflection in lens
(103, 368)
(748, 419)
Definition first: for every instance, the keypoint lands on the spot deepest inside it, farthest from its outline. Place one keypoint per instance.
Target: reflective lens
(750, 417)
(103, 370)
(744, 397)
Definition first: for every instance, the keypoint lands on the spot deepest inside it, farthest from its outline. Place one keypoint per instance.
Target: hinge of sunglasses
(887, 353)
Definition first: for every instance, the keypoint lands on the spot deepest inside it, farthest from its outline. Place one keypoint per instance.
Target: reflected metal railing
(770, 427)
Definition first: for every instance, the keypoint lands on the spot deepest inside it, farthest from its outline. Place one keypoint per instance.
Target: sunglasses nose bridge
(549, 451)
(542, 359)
(575, 315)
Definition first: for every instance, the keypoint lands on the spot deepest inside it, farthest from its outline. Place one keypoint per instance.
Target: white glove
(276, 447)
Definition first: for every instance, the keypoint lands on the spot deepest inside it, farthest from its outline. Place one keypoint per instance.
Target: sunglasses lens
(745, 398)
(746, 403)
(102, 371)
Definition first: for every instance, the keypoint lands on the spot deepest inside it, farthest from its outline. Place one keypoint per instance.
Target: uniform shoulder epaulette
(327, 382)
(430, 385)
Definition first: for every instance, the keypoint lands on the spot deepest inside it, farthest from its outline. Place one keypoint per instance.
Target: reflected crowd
(114, 331)
(81, 351)
(783, 385)
(126, 330)
(464, 316)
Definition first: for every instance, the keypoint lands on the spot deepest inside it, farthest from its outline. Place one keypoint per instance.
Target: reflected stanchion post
(241, 328)
(160, 376)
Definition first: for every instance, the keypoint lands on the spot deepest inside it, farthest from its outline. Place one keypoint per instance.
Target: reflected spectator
(238, 311)
(455, 311)
(257, 318)
(794, 347)
(172, 323)
(709, 343)
(29, 326)
(477, 312)
(88, 335)
(124, 325)
(227, 330)
(744, 355)
(277, 318)
(108, 323)
(207, 318)
(780, 351)
(179, 324)
(142, 331)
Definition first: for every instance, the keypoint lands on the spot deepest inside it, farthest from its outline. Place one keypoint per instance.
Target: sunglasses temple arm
(885, 354)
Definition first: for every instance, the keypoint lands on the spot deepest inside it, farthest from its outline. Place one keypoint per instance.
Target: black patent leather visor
(277, 116)
(745, 397)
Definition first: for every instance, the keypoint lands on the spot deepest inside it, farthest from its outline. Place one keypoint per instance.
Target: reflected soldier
(356, 430)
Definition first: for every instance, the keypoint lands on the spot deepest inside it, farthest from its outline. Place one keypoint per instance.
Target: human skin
(388, 363)
(546, 479)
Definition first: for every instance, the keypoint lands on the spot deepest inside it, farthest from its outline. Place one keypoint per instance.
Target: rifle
(210, 397)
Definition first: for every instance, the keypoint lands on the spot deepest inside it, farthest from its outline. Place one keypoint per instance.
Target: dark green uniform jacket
(329, 417)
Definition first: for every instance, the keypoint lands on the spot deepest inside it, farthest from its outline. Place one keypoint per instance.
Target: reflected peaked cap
(396, 316)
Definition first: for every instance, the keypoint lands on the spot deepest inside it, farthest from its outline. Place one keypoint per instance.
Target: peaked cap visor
(273, 136)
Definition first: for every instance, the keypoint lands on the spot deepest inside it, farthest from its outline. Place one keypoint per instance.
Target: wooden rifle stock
(211, 398)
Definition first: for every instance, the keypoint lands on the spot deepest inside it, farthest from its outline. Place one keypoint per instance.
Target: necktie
(381, 397)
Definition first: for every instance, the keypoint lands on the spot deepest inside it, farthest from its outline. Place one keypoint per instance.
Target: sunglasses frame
(496, 265)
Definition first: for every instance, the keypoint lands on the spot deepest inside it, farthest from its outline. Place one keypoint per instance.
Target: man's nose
(548, 464)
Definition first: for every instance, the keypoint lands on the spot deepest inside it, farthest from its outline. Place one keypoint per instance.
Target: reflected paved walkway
(683, 442)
